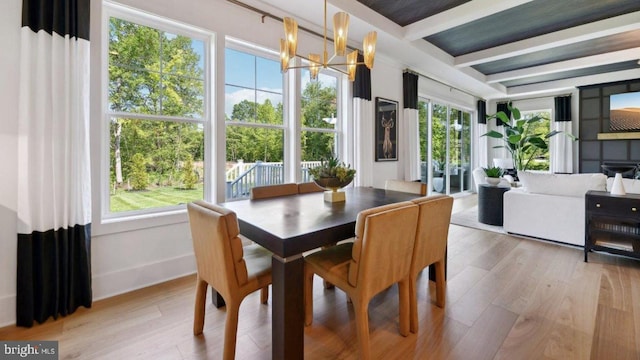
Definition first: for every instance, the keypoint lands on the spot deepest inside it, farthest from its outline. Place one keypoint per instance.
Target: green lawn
(157, 197)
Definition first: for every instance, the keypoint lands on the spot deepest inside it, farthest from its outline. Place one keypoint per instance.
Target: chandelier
(289, 45)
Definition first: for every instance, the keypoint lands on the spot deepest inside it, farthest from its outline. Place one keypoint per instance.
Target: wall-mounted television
(624, 112)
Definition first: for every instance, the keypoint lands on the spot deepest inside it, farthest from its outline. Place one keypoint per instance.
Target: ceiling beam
(459, 15)
(573, 64)
(368, 16)
(611, 26)
(560, 85)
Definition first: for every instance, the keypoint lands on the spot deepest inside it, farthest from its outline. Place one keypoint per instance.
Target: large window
(259, 135)
(255, 122)
(156, 113)
(540, 159)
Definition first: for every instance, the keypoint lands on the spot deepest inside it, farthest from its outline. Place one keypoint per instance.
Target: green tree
(139, 176)
(153, 72)
(318, 103)
(189, 177)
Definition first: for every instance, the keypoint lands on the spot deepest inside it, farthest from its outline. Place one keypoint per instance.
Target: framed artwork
(386, 130)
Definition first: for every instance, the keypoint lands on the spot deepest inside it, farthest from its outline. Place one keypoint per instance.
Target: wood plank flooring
(507, 298)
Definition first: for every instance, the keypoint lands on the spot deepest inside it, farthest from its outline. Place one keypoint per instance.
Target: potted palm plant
(520, 137)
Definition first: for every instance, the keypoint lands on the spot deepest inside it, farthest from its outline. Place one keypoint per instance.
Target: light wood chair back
(413, 187)
(309, 187)
(430, 247)
(222, 262)
(378, 258)
(269, 191)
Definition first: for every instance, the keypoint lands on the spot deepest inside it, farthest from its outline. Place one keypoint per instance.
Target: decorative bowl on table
(333, 183)
(331, 175)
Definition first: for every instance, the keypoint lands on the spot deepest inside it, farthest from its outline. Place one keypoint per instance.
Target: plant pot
(492, 181)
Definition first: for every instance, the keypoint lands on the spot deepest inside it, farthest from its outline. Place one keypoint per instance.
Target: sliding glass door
(445, 136)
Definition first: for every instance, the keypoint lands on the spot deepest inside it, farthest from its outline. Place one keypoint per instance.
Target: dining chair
(413, 187)
(430, 247)
(269, 191)
(223, 263)
(376, 260)
(309, 187)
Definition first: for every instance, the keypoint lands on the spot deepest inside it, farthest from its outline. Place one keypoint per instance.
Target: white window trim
(105, 222)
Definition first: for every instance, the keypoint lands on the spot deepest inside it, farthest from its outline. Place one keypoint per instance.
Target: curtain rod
(265, 14)
(443, 83)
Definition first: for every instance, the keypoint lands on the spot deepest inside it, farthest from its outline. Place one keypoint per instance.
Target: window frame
(177, 212)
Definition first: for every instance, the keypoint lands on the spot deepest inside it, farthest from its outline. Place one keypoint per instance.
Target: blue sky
(619, 101)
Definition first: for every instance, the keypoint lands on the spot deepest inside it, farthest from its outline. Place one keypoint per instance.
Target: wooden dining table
(290, 225)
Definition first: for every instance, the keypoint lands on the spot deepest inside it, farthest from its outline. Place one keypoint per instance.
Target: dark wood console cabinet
(612, 223)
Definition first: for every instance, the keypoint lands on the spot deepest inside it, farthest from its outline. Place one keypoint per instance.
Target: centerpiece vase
(332, 185)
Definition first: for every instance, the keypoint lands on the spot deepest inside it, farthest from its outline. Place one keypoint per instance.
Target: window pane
(133, 46)
(182, 55)
(268, 75)
(316, 146)
(319, 99)
(240, 69)
(154, 164)
(183, 96)
(254, 158)
(540, 160)
(133, 91)
(140, 66)
(269, 108)
(239, 104)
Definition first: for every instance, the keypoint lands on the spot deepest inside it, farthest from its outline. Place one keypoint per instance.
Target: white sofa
(551, 206)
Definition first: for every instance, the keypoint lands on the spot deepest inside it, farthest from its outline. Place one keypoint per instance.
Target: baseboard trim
(126, 280)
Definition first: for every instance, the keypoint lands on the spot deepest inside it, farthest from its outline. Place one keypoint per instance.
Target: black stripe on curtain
(562, 108)
(482, 112)
(54, 268)
(505, 109)
(362, 83)
(410, 90)
(64, 17)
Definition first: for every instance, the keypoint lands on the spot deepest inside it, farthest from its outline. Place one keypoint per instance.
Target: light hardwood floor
(507, 298)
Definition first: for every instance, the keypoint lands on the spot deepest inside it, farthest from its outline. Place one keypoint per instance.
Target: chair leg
(441, 284)
(325, 283)
(413, 304)
(264, 295)
(362, 327)
(404, 295)
(230, 330)
(199, 308)
(308, 296)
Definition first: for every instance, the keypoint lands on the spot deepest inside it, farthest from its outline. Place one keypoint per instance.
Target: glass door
(447, 147)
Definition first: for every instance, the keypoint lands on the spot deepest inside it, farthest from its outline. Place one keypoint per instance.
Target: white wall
(10, 18)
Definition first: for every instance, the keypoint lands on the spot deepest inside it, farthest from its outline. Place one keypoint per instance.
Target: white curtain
(54, 191)
(483, 146)
(412, 139)
(364, 141)
(561, 148)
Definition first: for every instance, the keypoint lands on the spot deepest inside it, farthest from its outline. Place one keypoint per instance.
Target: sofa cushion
(562, 184)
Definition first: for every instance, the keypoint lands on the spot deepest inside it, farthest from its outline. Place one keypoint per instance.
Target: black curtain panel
(362, 83)
(410, 90)
(562, 108)
(54, 190)
(505, 109)
(482, 112)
